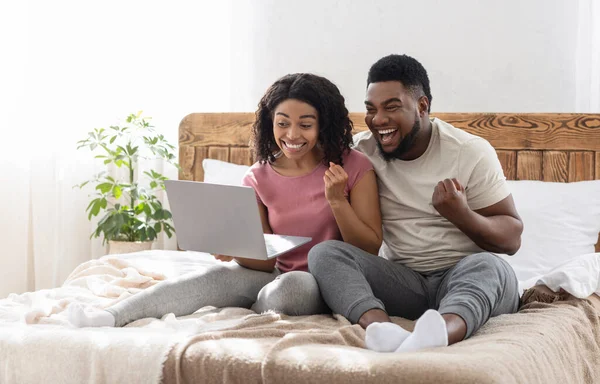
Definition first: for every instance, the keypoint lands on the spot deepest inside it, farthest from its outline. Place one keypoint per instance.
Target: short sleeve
(249, 180)
(478, 163)
(356, 164)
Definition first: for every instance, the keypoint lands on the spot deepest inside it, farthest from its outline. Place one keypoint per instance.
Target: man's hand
(223, 257)
(450, 200)
(335, 183)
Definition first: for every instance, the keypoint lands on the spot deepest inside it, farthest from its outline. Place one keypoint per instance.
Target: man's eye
(370, 111)
(391, 107)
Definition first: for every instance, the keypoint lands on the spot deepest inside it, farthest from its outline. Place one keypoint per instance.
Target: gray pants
(478, 287)
(224, 285)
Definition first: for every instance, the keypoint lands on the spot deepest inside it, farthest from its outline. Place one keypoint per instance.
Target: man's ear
(423, 105)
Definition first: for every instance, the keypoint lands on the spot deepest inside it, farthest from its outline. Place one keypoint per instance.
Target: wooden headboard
(559, 147)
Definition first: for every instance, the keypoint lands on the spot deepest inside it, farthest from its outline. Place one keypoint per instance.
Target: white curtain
(75, 66)
(588, 57)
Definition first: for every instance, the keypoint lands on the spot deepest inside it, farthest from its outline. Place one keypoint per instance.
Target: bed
(554, 338)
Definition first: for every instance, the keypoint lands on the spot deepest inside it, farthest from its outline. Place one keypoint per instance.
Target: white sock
(385, 337)
(80, 317)
(430, 331)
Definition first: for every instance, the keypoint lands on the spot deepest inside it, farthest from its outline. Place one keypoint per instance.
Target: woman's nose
(294, 132)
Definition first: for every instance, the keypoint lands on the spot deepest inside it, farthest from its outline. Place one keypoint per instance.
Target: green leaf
(147, 210)
(117, 192)
(95, 209)
(91, 203)
(153, 184)
(112, 139)
(139, 208)
(157, 227)
(107, 161)
(151, 233)
(104, 187)
(143, 235)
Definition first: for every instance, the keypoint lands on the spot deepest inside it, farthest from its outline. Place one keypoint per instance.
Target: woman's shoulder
(256, 172)
(354, 159)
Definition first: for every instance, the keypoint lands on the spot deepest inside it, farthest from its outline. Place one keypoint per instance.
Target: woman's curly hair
(335, 126)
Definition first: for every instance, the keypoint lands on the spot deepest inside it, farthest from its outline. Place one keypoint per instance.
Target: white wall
(508, 56)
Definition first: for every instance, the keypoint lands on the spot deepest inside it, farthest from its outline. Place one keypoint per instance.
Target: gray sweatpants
(224, 285)
(478, 287)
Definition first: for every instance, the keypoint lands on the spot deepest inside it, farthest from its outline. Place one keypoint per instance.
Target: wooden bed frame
(557, 147)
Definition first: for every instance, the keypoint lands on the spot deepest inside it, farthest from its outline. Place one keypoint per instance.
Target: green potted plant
(133, 216)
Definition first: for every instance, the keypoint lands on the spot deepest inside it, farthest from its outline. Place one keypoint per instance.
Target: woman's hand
(335, 183)
(223, 257)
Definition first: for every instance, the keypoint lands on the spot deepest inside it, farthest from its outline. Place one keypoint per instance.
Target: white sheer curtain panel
(76, 66)
(588, 57)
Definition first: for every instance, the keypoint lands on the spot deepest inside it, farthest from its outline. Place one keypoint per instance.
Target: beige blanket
(544, 343)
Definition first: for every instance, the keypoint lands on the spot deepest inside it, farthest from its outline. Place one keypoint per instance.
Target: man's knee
(485, 262)
(320, 255)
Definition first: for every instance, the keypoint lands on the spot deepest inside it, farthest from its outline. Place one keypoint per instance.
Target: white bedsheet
(37, 344)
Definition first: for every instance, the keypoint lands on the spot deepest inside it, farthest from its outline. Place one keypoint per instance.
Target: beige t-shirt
(414, 233)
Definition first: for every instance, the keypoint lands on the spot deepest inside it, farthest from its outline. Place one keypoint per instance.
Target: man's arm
(496, 228)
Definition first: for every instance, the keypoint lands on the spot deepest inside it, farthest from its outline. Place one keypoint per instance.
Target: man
(445, 207)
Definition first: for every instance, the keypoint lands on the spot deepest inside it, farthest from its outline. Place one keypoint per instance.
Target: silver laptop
(223, 219)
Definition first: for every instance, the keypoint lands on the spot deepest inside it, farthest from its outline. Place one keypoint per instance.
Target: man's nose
(380, 119)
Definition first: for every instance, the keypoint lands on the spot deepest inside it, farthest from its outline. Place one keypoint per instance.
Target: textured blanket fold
(543, 343)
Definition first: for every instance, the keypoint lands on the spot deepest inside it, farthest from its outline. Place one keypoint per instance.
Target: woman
(308, 182)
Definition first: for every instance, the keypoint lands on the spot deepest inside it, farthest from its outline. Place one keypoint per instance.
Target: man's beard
(406, 143)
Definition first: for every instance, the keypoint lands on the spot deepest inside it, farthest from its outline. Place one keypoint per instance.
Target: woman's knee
(292, 293)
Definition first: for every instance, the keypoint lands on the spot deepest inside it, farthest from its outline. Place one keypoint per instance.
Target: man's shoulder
(362, 138)
(365, 143)
(460, 139)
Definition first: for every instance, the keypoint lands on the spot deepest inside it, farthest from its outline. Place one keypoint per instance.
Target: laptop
(223, 219)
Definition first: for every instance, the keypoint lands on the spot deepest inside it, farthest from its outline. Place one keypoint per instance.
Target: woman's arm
(259, 265)
(360, 219)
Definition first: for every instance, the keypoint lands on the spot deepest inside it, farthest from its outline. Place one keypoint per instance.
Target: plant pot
(120, 247)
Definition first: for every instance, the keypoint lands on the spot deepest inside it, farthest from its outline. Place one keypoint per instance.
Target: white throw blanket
(37, 344)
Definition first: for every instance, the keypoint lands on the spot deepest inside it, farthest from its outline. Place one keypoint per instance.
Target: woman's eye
(281, 124)
(306, 126)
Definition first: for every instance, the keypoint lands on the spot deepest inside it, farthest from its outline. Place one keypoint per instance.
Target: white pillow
(222, 172)
(561, 222)
(579, 276)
